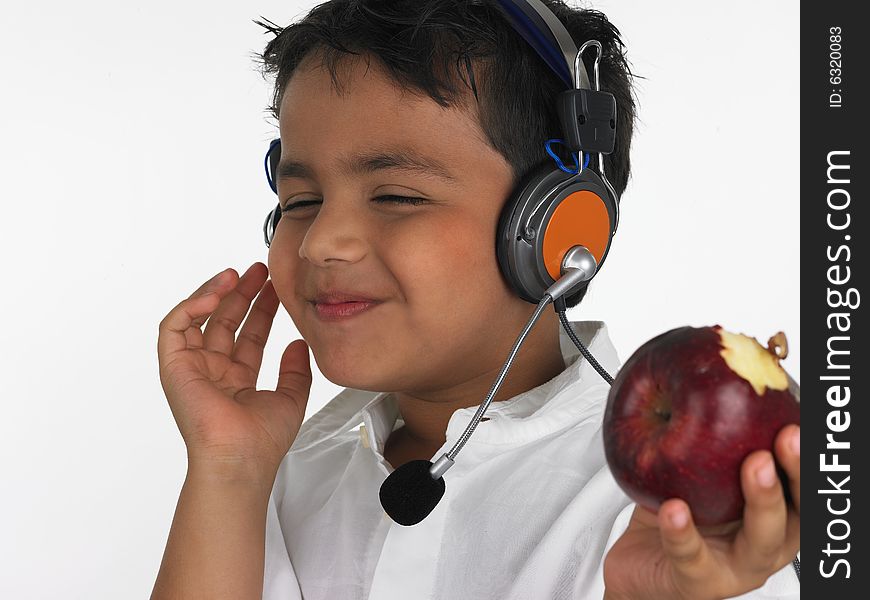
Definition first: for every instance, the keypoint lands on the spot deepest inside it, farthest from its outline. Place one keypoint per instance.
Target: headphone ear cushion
(528, 192)
(273, 156)
(271, 224)
(548, 213)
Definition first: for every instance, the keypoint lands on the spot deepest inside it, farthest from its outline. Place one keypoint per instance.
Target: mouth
(341, 311)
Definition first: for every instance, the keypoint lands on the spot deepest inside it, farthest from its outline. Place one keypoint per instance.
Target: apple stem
(778, 345)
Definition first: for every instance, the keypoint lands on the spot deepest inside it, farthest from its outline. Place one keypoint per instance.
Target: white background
(132, 138)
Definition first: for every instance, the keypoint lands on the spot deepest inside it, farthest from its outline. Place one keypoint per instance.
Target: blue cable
(559, 162)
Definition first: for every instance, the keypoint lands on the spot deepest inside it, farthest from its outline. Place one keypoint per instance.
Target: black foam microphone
(413, 490)
(409, 494)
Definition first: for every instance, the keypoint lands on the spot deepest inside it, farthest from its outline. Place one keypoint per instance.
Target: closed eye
(380, 199)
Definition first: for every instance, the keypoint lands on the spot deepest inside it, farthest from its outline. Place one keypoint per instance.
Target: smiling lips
(342, 310)
(336, 305)
(338, 297)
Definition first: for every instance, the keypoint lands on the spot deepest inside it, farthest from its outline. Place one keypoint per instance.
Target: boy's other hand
(210, 378)
(664, 556)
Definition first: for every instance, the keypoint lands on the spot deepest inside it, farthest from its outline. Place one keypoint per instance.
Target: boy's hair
(424, 44)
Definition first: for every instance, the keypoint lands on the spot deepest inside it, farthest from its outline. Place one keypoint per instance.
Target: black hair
(420, 43)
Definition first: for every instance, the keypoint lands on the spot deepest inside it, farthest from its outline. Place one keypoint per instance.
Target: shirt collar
(555, 404)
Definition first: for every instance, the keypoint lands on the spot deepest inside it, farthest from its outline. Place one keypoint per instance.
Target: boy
(404, 127)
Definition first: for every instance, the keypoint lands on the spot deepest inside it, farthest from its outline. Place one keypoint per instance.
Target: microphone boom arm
(578, 266)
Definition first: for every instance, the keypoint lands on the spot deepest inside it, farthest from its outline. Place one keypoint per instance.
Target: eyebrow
(398, 158)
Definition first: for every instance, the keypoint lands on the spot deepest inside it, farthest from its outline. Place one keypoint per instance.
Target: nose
(336, 235)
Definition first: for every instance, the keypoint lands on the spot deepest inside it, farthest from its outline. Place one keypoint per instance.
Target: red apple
(686, 409)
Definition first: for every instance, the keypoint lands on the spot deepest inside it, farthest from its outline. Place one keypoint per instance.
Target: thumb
(681, 541)
(294, 374)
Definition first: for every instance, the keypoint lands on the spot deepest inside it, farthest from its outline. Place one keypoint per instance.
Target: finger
(171, 338)
(787, 448)
(210, 284)
(788, 454)
(255, 332)
(220, 283)
(220, 331)
(792, 536)
(681, 542)
(294, 373)
(758, 546)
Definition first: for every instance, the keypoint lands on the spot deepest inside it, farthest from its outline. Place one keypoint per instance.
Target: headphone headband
(547, 35)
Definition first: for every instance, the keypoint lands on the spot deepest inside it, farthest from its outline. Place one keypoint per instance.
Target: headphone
(553, 209)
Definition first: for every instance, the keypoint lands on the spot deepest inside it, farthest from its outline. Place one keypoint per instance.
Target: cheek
(449, 262)
(470, 250)
(284, 265)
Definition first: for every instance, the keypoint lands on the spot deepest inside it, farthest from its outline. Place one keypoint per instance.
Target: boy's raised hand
(210, 378)
(659, 558)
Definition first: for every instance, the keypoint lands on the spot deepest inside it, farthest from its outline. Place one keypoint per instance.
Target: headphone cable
(560, 307)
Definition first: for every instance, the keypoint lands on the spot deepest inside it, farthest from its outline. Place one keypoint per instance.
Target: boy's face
(446, 315)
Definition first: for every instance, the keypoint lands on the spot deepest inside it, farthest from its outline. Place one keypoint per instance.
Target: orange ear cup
(579, 216)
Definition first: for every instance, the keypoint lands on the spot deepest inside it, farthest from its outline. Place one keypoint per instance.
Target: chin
(358, 370)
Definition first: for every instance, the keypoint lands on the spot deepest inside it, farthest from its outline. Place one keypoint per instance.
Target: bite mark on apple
(752, 361)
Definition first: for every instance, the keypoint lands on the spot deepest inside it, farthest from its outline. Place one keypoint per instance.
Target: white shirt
(530, 507)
